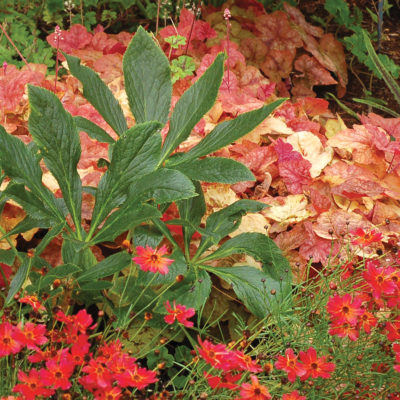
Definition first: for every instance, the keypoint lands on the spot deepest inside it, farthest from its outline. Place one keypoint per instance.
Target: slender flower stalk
(227, 17)
(58, 37)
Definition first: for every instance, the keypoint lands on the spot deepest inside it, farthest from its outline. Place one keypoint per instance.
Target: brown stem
(15, 47)
(158, 15)
(191, 27)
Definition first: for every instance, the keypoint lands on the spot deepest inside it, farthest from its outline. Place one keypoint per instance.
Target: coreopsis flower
(33, 301)
(152, 260)
(216, 355)
(344, 309)
(364, 239)
(32, 386)
(367, 321)
(108, 350)
(98, 375)
(380, 279)
(314, 366)
(111, 393)
(393, 329)
(254, 391)
(226, 380)
(343, 330)
(9, 344)
(244, 362)
(290, 365)
(295, 395)
(119, 364)
(57, 374)
(31, 335)
(347, 271)
(180, 313)
(137, 377)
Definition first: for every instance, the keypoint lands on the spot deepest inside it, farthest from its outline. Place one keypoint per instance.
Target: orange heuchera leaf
(320, 202)
(313, 106)
(317, 248)
(201, 30)
(390, 125)
(313, 71)
(77, 37)
(355, 188)
(297, 18)
(293, 168)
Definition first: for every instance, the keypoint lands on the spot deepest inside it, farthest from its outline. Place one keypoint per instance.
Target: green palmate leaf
(107, 267)
(262, 248)
(227, 132)
(55, 133)
(19, 279)
(216, 169)
(387, 77)
(127, 217)
(98, 94)
(193, 291)
(192, 210)
(93, 130)
(147, 79)
(253, 287)
(135, 154)
(221, 223)
(193, 104)
(162, 186)
(21, 165)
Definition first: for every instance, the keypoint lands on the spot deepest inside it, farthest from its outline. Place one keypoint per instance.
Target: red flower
(393, 329)
(380, 279)
(364, 239)
(98, 375)
(150, 259)
(119, 364)
(244, 362)
(348, 270)
(290, 365)
(214, 354)
(32, 335)
(180, 313)
(108, 394)
(57, 374)
(137, 377)
(343, 309)
(33, 301)
(343, 330)
(367, 321)
(293, 396)
(9, 344)
(254, 391)
(108, 350)
(227, 381)
(315, 367)
(32, 386)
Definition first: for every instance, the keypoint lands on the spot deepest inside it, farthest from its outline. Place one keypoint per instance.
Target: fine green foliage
(142, 179)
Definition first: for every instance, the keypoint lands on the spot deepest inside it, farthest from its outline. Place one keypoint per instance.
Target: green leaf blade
(98, 94)
(135, 154)
(193, 104)
(147, 79)
(216, 169)
(227, 132)
(55, 133)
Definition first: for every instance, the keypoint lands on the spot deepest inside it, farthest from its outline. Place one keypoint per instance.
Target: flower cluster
(233, 363)
(308, 366)
(61, 357)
